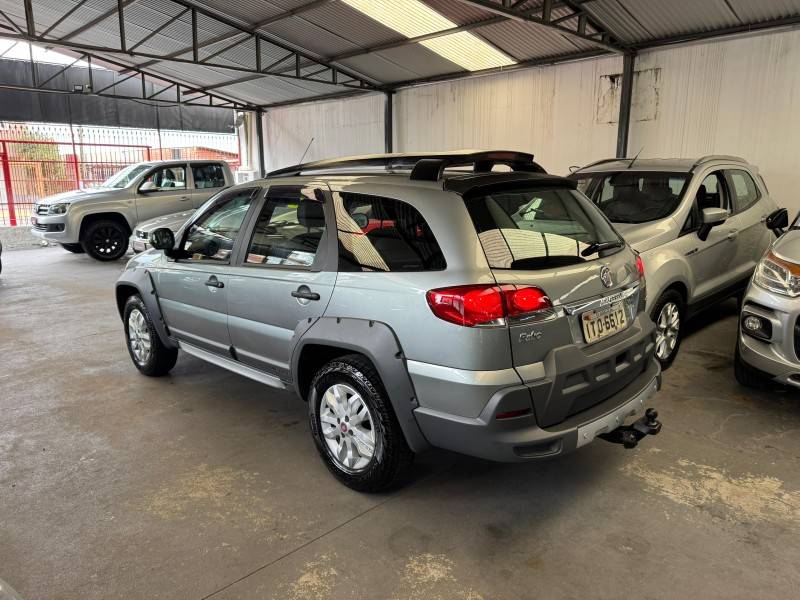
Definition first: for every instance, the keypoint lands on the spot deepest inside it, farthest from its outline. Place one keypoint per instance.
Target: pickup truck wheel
(147, 351)
(667, 314)
(74, 248)
(105, 240)
(354, 427)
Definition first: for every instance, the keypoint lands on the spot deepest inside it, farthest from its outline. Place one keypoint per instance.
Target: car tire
(359, 439)
(74, 248)
(105, 240)
(747, 375)
(669, 332)
(145, 347)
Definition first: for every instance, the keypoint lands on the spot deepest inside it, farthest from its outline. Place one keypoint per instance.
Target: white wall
(737, 96)
(549, 111)
(339, 128)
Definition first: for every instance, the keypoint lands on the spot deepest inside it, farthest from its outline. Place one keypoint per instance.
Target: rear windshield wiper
(600, 246)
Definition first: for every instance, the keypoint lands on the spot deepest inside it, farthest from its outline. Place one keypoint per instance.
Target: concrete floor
(205, 484)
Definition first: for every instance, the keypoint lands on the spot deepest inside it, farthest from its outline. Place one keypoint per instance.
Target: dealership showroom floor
(206, 484)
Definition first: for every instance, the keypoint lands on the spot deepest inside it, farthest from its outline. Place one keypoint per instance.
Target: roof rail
(711, 157)
(425, 166)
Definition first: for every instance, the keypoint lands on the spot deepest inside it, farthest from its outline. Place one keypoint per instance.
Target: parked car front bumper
(777, 357)
(55, 228)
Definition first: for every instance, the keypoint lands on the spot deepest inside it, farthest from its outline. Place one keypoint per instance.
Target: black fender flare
(142, 281)
(378, 342)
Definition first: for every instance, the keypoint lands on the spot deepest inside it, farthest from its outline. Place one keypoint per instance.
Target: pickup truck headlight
(777, 275)
(58, 209)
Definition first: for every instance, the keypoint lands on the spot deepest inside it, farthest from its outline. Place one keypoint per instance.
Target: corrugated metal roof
(329, 28)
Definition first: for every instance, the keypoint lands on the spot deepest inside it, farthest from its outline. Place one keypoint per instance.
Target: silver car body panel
(140, 237)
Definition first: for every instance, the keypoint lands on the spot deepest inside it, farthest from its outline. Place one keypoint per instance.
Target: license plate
(602, 323)
(139, 246)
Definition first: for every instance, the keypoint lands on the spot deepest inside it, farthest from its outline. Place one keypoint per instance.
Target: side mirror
(162, 239)
(778, 221)
(148, 186)
(711, 217)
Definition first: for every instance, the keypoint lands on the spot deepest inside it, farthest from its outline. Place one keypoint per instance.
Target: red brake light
(471, 305)
(640, 266)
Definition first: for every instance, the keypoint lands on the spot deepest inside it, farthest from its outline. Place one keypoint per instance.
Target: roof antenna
(635, 157)
(300, 162)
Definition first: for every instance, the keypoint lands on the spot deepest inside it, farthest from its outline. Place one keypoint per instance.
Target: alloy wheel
(668, 328)
(107, 241)
(347, 427)
(139, 336)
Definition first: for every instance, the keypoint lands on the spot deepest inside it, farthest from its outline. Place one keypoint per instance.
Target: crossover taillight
(475, 305)
(640, 266)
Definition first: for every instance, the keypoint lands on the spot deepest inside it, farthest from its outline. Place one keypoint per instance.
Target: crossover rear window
(539, 228)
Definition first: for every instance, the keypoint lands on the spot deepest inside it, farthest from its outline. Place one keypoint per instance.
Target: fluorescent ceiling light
(412, 18)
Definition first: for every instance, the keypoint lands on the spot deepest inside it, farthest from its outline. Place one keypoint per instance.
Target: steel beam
(388, 123)
(625, 97)
(260, 140)
(89, 24)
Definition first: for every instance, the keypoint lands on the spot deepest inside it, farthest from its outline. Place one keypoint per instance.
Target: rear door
(752, 211)
(193, 291)
(286, 274)
(208, 179)
(162, 192)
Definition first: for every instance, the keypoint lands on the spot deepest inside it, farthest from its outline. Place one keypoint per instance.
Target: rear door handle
(305, 294)
(733, 234)
(214, 282)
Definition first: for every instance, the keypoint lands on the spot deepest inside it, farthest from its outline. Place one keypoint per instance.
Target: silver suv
(768, 346)
(697, 224)
(99, 220)
(497, 314)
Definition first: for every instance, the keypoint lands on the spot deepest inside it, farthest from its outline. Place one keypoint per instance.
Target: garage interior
(204, 484)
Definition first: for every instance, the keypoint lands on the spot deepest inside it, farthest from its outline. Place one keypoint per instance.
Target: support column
(388, 123)
(626, 95)
(260, 142)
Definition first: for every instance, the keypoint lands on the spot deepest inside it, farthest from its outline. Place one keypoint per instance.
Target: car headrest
(310, 214)
(702, 193)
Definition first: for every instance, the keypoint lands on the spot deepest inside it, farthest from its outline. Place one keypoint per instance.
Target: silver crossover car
(698, 226)
(99, 220)
(768, 346)
(140, 239)
(497, 314)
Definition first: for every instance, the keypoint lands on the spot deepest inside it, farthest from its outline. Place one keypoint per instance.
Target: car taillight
(640, 266)
(475, 305)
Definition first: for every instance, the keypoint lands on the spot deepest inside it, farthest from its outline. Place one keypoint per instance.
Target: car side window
(211, 237)
(745, 191)
(289, 228)
(712, 193)
(383, 234)
(165, 179)
(207, 176)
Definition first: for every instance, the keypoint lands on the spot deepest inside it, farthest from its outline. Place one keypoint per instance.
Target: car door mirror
(778, 221)
(148, 186)
(162, 239)
(711, 217)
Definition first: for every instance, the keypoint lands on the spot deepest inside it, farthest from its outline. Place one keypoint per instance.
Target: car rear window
(635, 196)
(383, 234)
(538, 228)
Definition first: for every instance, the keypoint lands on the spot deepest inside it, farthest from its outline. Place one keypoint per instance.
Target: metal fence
(39, 160)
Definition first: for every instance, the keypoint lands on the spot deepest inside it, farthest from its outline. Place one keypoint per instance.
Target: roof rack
(425, 166)
(712, 157)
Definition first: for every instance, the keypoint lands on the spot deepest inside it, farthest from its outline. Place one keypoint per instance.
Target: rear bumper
(520, 438)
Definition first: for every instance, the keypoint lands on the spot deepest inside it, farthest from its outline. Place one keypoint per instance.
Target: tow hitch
(629, 435)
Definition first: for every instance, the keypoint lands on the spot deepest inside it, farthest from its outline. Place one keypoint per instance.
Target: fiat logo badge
(605, 277)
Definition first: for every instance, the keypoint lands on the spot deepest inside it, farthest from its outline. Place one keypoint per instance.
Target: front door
(162, 192)
(711, 260)
(193, 290)
(286, 275)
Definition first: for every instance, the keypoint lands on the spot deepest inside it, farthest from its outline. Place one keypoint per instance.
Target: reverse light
(778, 275)
(486, 305)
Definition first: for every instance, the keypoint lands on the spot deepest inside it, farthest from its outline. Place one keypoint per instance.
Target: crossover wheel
(105, 240)
(354, 427)
(147, 351)
(747, 375)
(668, 314)
(74, 248)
